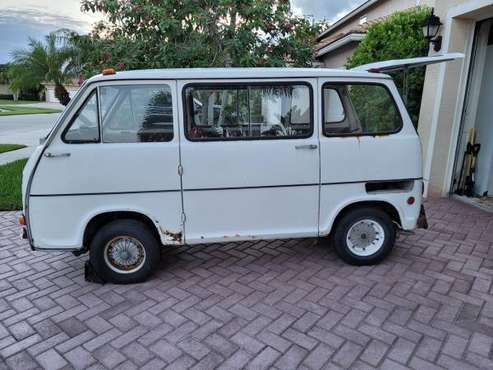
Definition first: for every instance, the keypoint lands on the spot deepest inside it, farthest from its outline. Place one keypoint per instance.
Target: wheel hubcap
(365, 237)
(124, 254)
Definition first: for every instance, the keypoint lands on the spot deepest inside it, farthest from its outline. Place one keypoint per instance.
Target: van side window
(236, 112)
(136, 113)
(84, 127)
(359, 109)
(333, 109)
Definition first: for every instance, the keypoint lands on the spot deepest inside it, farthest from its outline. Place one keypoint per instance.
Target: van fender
(325, 228)
(166, 236)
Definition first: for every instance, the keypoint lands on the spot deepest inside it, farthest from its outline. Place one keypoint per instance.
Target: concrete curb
(15, 155)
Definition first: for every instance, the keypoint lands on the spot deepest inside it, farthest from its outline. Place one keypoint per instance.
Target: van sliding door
(250, 159)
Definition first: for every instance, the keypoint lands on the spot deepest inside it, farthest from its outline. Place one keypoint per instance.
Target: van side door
(118, 152)
(250, 159)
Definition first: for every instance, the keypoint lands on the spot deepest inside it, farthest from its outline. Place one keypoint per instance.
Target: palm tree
(54, 60)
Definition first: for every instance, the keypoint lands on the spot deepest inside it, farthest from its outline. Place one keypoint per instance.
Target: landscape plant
(197, 33)
(54, 60)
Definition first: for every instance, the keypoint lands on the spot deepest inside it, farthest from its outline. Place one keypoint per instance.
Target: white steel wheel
(365, 237)
(124, 251)
(124, 254)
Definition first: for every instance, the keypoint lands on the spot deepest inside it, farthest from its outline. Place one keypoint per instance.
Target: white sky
(20, 19)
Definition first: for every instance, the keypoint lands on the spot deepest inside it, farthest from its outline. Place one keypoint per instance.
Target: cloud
(18, 24)
(21, 19)
(331, 10)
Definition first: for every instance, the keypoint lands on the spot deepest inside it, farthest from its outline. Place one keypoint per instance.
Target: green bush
(398, 36)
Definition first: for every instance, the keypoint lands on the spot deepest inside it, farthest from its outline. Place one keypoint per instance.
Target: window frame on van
(76, 114)
(134, 83)
(345, 83)
(246, 84)
(323, 107)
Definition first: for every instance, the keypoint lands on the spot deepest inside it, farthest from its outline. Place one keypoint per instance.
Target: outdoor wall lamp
(431, 26)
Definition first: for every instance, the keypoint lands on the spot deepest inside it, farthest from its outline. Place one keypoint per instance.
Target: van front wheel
(364, 236)
(124, 252)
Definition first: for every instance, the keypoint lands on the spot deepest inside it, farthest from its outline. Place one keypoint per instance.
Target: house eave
(352, 37)
(346, 18)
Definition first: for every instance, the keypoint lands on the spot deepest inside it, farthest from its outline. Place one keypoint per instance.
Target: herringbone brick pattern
(278, 304)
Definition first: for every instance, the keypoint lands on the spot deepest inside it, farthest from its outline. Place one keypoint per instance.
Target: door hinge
(180, 170)
(183, 217)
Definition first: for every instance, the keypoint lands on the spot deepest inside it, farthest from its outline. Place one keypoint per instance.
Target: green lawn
(9, 147)
(11, 110)
(10, 185)
(12, 102)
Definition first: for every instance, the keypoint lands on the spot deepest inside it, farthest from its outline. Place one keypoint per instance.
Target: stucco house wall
(444, 91)
(4, 89)
(339, 57)
(50, 92)
(369, 12)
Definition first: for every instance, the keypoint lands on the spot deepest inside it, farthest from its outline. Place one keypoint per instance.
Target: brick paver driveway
(280, 304)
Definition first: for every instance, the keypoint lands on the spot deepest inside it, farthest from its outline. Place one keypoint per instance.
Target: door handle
(307, 146)
(57, 155)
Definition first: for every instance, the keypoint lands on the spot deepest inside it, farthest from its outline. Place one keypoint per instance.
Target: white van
(144, 159)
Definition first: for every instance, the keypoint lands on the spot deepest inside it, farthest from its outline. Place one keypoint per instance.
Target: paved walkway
(24, 129)
(15, 155)
(280, 304)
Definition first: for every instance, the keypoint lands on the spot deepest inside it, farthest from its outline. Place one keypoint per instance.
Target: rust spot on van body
(176, 236)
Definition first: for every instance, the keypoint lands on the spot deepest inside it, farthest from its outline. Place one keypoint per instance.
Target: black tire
(357, 217)
(138, 232)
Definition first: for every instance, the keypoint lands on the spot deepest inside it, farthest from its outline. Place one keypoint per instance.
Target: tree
(51, 61)
(198, 33)
(396, 37)
(3, 74)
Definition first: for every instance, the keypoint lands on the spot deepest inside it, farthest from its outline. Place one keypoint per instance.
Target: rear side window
(136, 113)
(359, 109)
(84, 127)
(236, 112)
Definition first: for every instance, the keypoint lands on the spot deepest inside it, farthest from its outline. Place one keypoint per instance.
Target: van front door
(118, 153)
(250, 160)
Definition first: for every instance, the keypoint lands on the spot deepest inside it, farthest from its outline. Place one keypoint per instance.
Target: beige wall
(444, 90)
(338, 57)
(383, 8)
(4, 89)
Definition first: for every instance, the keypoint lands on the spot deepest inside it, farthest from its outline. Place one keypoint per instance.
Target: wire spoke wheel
(365, 237)
(124, 254)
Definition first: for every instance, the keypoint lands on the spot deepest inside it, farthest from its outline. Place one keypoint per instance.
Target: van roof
(229, 73)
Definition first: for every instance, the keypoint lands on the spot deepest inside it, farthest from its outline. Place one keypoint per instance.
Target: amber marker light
(108, 71)
(22, 220)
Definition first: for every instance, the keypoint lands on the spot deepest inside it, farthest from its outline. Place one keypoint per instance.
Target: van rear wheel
(124, 252)
(364, 236)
